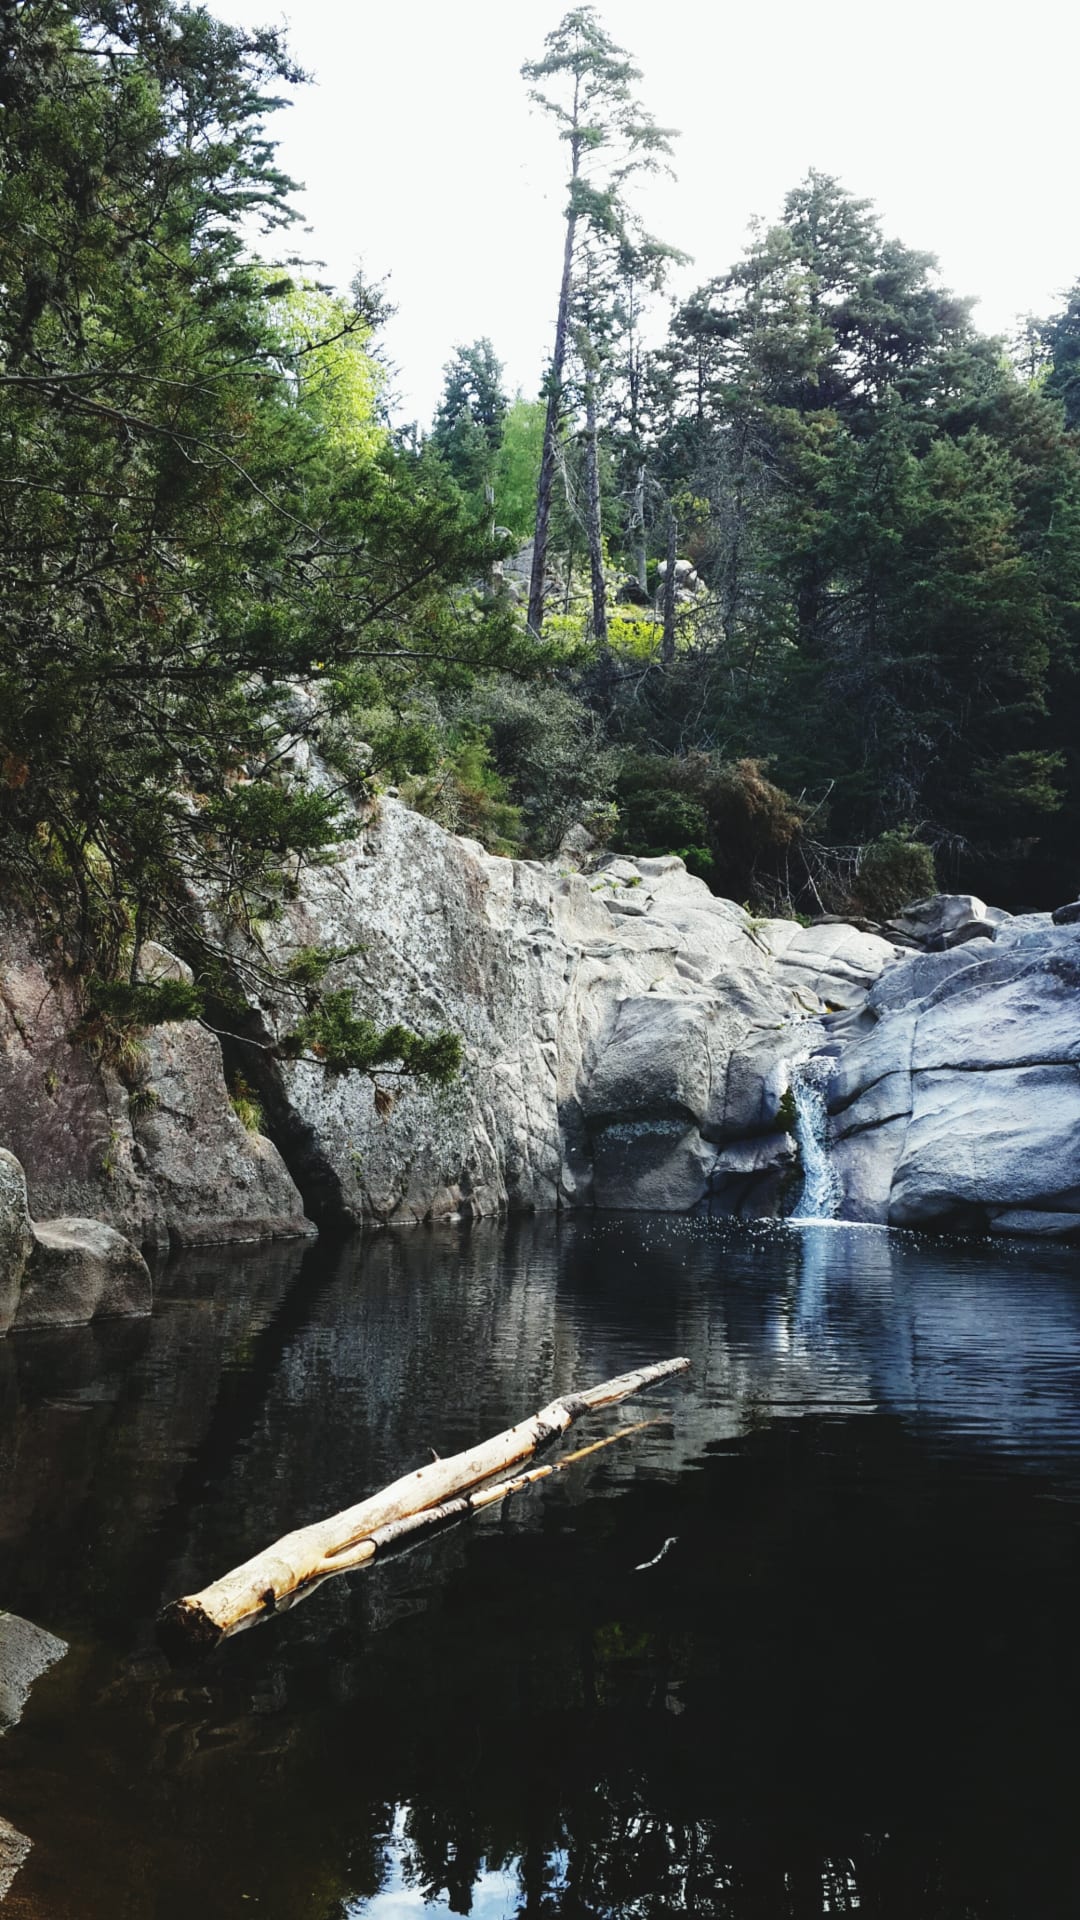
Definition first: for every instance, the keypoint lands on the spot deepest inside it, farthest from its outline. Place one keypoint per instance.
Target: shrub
(728, 820)
(245, 1105)
(468, 795)
(893, 870)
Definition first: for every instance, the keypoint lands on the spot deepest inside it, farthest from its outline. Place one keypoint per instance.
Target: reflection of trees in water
(745, 1730)
(617, 1856)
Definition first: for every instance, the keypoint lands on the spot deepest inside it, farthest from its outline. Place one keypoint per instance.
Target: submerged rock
(14, 1848)
(26, 1652)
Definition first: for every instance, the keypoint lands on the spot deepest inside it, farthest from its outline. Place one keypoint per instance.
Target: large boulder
(945, 920)
(81, 1270)
(214, 1178)
(64, 1116)
(26, 1652)
(958, 1101)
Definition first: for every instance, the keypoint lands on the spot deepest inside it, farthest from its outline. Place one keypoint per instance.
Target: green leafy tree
(517, 465)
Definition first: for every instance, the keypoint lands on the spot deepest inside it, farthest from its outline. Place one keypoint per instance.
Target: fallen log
(401, 1535)
(200, 1620)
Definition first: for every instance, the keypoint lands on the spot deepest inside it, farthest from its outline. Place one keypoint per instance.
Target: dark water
(850, 1684)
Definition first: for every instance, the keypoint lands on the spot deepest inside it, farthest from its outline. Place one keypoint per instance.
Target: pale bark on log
(343, 1541)
(403, 1534)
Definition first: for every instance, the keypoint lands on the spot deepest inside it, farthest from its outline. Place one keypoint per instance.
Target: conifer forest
(786, 581)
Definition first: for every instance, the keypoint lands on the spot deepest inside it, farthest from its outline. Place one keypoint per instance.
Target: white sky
(422, 159)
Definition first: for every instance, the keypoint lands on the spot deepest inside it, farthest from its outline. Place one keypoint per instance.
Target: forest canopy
(807, 597)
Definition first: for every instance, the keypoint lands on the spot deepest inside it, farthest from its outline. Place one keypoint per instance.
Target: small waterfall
(820, 1195)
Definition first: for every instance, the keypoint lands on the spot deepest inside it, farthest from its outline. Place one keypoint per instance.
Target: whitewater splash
(821, 1192)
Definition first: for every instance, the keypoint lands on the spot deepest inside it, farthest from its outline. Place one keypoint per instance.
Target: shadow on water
(849, 1685)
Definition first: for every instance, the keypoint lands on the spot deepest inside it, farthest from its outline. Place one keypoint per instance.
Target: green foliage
(199, 506)
(146, 1003)
(467, 794)
(468, 428)
(248, 821)
(517, 466)
(337, 379)
(549, 751)
(348, 1043)
(308, 966)
(893, 871)
(142, 1101)
(654, 818)
(889, 546)
(730, 823)
(115, 1015)
(245, 1105)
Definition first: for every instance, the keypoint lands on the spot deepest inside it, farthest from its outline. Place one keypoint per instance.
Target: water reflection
(850, 1685)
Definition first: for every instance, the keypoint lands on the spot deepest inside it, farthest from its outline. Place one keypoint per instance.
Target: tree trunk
(351, 1538)
(546, 482)
(593, 519)
(637, 529)
(667, 647)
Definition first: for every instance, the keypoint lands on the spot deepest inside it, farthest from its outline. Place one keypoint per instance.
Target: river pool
(805, 1645)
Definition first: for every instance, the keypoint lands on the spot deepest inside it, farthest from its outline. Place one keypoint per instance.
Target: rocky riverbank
(630, 1042)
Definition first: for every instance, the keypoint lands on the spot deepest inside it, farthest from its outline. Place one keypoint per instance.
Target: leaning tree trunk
(593, 519)
(667, 645)
(546, 483)
(350, 1538)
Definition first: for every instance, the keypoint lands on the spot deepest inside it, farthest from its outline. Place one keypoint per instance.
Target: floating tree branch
(429, 1497)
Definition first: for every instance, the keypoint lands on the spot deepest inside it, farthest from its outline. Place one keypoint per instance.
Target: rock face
(213, 1179)
(628, 1036)
(629, 1040)
(165, 1161)
(956, 1100)
(14, 1848)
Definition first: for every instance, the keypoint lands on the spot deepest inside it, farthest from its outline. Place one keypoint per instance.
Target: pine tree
(585, 82)
(468, 427)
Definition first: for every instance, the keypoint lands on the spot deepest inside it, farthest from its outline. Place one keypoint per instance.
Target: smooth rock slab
(998, 1139)
(81, 1270)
